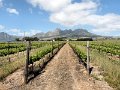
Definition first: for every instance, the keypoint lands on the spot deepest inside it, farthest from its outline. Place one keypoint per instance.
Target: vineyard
(13, 55)
(14, 47)
(34, 56)
(109, 47)
(105, 54)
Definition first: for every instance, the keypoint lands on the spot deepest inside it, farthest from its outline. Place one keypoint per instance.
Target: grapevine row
(104, 46)
(12, 47)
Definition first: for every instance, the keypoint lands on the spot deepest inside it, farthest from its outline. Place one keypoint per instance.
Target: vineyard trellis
(31, 59)
(84, 57)
(103, 54)
(109, 47)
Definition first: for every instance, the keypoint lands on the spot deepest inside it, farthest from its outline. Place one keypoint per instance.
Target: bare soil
(63, 72)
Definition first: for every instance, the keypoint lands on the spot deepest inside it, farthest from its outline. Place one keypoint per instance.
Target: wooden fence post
(88, 58)
(58, 44)
(27, 62)
(52, 47)
(17, 48)
(8, 51)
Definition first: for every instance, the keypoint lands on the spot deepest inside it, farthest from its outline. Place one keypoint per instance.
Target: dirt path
(64, 73)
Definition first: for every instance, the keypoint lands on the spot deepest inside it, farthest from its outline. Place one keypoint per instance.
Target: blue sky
(32, 16)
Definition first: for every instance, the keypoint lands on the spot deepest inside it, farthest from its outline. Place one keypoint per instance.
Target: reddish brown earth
(63, 72)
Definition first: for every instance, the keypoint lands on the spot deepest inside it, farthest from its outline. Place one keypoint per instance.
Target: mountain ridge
(6, 37)
(68, 33)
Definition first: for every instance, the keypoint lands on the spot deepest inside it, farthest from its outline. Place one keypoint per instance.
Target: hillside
(68, 33)
(65, 33)
(6, 37)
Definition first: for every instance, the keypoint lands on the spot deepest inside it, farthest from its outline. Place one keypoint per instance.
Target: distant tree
(70, 39)
(26, 39)
(59, 39)
(30, 39)
(118, 38)
(17, 39)
(35, 39)
(85, 39)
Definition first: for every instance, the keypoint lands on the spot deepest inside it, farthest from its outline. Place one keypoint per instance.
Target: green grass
(7, 68)
(110, 68)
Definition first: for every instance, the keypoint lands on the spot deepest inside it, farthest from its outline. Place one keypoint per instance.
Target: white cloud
(67, 13)
(12, 11)
(1, 3)
(50, 5)
(19, 32)
(34, 31)
(104, 24)
(2, 27)
(30, 33)
(16, 31)
(73, 14)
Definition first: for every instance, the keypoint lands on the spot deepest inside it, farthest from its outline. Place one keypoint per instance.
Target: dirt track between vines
(63, 72)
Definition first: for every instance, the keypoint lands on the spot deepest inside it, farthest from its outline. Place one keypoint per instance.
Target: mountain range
(67, 33)
(6, 37)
